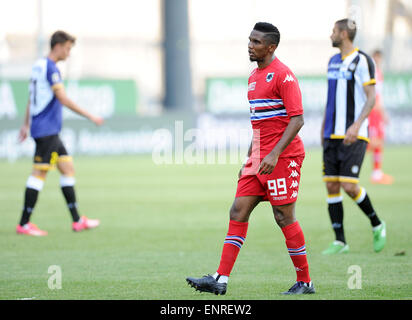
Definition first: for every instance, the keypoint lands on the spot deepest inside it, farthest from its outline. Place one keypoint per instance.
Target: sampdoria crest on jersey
(269, 76)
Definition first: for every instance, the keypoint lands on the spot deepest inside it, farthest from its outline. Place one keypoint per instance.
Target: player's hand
(351, 134)
(23, 133)
(98, 121)
(268, 163)
(241, 170)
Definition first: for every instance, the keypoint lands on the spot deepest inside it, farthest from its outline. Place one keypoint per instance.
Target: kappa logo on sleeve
(288, 78)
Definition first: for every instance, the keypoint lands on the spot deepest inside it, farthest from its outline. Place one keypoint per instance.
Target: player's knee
(279, 218)
(67, 170)
(234, 213)
(283, 217)
(333, 187)
(39, 173)
(351, 189)
(237, 214)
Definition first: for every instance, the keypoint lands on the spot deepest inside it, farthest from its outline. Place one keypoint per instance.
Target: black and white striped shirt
(347, 77)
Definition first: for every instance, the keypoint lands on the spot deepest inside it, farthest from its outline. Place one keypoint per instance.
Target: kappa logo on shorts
(294, 184)
(294, 174)
(355, 169)
(292, 164)
(294, 194)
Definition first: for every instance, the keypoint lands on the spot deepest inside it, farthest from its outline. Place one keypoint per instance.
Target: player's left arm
(269, 162)
(352, 132)
(288, 87)
(56, 84)
(366, 73)
(61, 95)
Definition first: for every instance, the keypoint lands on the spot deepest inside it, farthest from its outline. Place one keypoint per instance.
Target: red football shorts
(376, 124)
(280, 187)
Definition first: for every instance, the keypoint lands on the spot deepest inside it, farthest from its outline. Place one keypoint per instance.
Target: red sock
(234, 240)
(295, 242)
(377, 158)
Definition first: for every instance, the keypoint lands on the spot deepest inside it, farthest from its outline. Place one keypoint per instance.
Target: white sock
(35, 183)
(67, 181)
(377, 174)
(376, 227)
(220, 278)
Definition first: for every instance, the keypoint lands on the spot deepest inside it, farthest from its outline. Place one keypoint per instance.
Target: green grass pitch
(160, 224)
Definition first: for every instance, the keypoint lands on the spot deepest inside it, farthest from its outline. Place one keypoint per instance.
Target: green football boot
(336, 247)
(379, 237)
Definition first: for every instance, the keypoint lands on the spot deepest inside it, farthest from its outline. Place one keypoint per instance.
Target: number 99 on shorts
(277, 187)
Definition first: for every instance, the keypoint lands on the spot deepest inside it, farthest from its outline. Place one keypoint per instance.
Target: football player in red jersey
(271, 171)
(378, 118)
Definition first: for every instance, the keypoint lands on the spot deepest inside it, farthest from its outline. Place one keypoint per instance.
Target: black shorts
(342, 163)
(49, 151)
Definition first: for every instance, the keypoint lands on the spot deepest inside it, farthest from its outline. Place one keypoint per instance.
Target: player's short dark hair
(272, 34)
(377, 52)
(61, 37)
(349, 25)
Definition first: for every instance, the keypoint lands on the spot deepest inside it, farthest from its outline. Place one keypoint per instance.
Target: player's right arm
(61, 95)
(24, 130)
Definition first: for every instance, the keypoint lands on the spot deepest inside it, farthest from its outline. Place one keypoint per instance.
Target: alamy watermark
(355, 17)
(203, 145)
(355, 280)
(55, 280)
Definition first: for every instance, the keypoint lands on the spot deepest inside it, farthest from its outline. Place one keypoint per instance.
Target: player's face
(258, 47)
(377, 58)
(64, 50)
(336, 37)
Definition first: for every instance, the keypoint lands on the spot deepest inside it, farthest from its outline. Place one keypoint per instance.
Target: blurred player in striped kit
(43, 120)
(344, 134)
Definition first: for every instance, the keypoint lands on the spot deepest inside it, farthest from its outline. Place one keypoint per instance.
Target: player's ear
(344, 34)
(272, 47)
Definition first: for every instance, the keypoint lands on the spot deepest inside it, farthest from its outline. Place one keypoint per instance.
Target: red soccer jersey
(274, 96)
